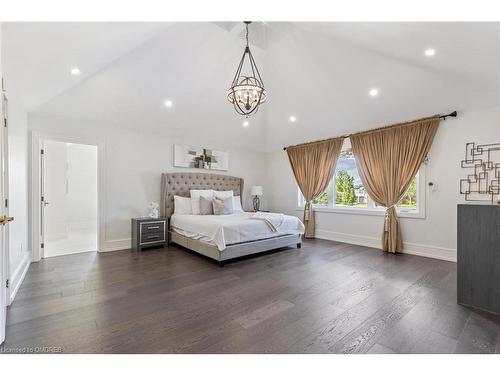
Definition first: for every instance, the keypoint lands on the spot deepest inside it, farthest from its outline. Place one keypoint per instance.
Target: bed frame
(181, 183)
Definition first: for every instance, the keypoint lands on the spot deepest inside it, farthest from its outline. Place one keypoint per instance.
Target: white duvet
(223, 230)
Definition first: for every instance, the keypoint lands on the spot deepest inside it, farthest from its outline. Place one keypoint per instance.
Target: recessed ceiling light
(168, 103)
(75, 71)
(293, 118)
(246, 124)
(430, 52)
(373, 92)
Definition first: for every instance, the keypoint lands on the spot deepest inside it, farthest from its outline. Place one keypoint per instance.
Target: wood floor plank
(327, 297)
(380, 349)
(479, 335)
(263, 313)
(366, 335)
(497, 351)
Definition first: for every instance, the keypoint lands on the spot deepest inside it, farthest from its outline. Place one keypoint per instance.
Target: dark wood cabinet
(148, 232)
(478, 256)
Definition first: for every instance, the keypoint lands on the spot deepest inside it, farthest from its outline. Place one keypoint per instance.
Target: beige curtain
(313, 165)
(388, 159)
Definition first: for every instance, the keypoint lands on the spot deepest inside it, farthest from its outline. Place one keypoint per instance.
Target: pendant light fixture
(247, 93)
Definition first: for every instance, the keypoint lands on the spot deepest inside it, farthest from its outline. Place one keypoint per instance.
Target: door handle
(5, 219)
(45, 203)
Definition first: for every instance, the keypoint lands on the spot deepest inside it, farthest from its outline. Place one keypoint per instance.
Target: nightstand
(148, 232)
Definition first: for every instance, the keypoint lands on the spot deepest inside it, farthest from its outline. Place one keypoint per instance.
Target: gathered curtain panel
(313, 165)
(388, 159)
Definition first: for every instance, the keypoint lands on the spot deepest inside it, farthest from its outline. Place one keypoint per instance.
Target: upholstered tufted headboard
(180, 183)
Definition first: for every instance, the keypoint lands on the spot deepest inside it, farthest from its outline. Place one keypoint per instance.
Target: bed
(223, 237)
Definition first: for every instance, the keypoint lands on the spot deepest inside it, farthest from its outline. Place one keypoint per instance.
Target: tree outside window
(349, 190)
(344, 185)
(409, 199)
(322, 199)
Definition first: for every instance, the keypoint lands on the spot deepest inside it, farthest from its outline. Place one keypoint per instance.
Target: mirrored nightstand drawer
(155, 226)
(152, 237)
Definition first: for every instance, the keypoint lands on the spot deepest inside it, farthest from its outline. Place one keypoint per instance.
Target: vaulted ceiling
(318, 72)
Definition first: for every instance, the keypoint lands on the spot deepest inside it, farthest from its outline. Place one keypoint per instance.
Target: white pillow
(237, 204)
(195, 199)
(223, 194)
(182, 205)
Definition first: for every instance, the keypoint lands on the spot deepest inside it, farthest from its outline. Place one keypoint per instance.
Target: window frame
(371, 209)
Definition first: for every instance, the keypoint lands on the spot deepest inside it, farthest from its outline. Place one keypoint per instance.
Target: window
(348, 189)
(346, 192)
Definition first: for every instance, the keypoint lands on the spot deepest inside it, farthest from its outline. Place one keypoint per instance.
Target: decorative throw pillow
(223, 206)
(223, 194)
(206, 206)
(182, 205)
(237, 204)
(195, 198)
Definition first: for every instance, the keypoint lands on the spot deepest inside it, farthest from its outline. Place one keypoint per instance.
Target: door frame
(35, 232)
(4, 210)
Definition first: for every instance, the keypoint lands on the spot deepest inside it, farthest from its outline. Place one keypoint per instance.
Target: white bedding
(223, 230)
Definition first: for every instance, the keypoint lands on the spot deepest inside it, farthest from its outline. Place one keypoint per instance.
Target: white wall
(82, 185)
(19, 253)
(435, 235)
(133, 163)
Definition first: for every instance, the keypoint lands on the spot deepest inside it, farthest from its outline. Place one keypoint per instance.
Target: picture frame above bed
(200, 158)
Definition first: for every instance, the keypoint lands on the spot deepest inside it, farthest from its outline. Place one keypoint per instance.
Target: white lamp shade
(256, 190)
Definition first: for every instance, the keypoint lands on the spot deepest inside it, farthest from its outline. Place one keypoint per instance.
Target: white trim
(17, 276)
(36, 140)
(115, 245)
(4, 229)
(428, 251)
(365, 211)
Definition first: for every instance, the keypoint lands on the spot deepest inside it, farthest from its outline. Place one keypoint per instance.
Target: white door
(4, 218)
(69, 198)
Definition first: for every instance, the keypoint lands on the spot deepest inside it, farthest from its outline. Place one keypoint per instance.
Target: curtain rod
(452, 114)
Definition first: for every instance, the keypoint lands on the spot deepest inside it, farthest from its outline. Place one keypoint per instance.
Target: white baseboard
(18, 275)
(428, 251)
(114, 245)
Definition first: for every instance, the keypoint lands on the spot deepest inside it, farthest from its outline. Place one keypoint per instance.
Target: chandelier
(247, 93)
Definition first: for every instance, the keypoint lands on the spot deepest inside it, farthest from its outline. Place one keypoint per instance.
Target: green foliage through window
(344, 185)
(409, 199)
(322, 199)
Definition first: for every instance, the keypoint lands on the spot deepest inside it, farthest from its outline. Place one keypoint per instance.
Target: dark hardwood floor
(327, 297)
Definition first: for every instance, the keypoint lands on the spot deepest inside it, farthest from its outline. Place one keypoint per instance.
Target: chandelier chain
(247, 33)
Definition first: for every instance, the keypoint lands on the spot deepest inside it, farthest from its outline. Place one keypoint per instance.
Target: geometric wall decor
(200, 158)
(483, 183)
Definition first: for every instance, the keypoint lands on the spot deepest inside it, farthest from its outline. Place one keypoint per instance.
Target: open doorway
(69, 201)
